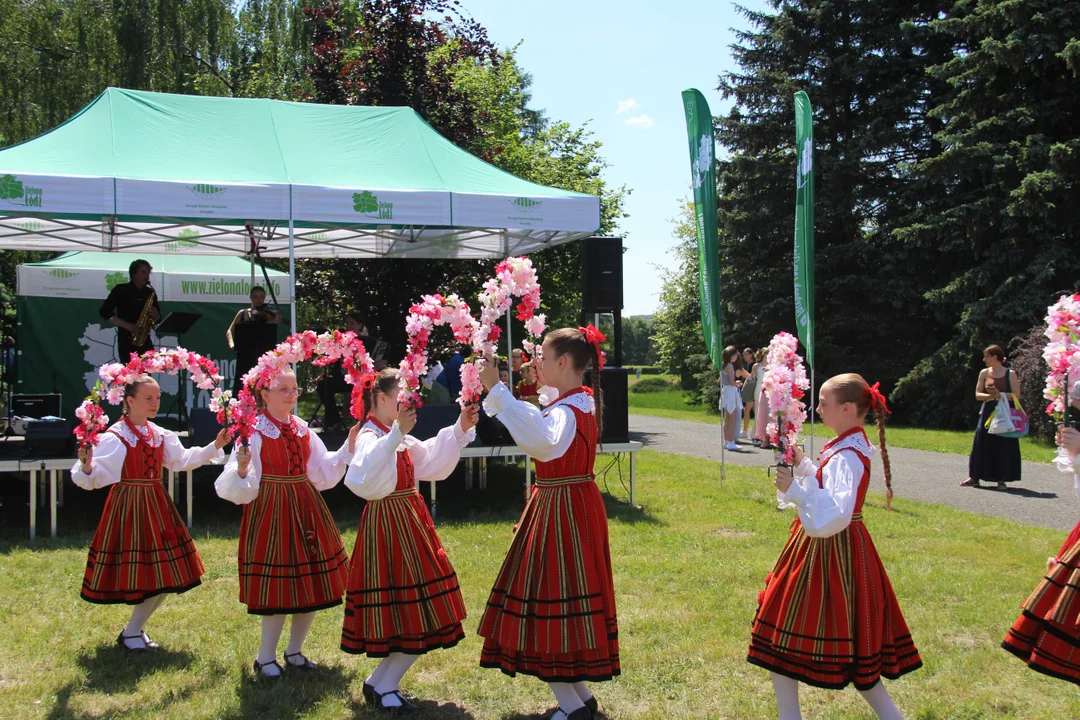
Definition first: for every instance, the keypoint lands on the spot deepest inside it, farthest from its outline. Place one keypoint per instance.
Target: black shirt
(126, 302)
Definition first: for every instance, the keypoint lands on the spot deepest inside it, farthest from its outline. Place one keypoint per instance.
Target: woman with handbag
(994, 458)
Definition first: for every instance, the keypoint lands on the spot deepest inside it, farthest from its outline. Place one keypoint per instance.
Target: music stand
(178, 323)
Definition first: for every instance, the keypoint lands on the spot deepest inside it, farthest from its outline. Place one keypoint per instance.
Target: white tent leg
(292, 279)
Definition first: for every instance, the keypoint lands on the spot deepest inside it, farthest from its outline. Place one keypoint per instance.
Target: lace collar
(270, 428)
(577, 398)
(854, 439)
(125, 432)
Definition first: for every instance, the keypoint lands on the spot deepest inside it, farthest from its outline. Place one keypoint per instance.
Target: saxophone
(142, 327)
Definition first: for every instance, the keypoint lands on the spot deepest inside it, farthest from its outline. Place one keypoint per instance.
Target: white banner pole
(292, 278)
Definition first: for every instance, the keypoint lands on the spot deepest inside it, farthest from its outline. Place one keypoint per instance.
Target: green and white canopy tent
(141, 172)
(134, 170)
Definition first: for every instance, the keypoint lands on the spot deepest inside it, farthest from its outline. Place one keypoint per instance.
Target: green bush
(701, 383)
(652, 385)
(645, 369)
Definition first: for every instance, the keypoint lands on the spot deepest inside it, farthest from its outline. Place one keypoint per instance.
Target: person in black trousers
(124, 306)
(994, 458)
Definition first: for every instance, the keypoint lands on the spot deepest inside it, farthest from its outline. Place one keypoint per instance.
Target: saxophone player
(125, 305)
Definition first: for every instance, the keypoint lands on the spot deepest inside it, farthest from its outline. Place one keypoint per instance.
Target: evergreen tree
(864, 66)
(997, 222)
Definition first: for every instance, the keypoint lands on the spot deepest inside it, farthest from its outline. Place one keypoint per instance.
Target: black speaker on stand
(602, 293)
(614, 383)
(602, 275)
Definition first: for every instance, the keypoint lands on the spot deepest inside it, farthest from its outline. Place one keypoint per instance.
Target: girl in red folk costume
(1047, 633)
(291, 558)
(551, 613)
(142, 549)
(403, 598)
(828, 615)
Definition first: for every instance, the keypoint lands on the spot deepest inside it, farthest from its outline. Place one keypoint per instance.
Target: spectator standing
(749, 388)
(994, 458)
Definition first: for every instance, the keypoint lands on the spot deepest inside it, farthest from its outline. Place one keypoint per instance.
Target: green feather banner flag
(804, 224)
(699, 131)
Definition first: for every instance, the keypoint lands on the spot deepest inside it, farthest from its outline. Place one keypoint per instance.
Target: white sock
(582, 692)
(377, 675)
(396, 666)
(272, 625)
(139, 615)
(567, 697)
(787, 696)
(298, 632)
(878, 698)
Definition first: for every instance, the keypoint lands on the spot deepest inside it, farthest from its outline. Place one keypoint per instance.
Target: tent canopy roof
(170, 263)
(135, 168)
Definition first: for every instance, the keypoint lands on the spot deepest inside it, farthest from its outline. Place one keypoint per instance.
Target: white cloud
(626, 106)
(640, 121)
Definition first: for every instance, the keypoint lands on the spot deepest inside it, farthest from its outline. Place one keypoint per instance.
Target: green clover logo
(365, 202)
(10, 188)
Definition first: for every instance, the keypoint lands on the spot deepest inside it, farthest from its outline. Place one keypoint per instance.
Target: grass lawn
(688, 566)
(671, 405)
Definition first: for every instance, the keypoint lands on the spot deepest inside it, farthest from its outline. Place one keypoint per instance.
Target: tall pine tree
(864, 66)
(996, 224)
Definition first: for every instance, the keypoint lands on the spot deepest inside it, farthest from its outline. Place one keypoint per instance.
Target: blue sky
(622, 66)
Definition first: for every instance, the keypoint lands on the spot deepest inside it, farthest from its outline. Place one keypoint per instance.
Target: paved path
(1044, 497)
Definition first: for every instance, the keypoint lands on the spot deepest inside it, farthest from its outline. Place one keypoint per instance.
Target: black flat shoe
(305, 665)
(370, 696)
(582, 713)
(593, 706)
(122, 637)
(258, 666)
(150, 644)
(406, 706)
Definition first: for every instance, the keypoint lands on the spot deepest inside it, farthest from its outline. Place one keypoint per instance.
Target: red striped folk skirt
(141, 547)
(829, 617)
(403, 594)
(1047, 633)
(291, 558)
(551, 613)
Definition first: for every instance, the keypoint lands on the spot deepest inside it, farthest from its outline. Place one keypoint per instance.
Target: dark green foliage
(700, 382)
(864, 67)
(651, 385)
(947, 151)
(998, 219)
(1026, 358)
(427, 54)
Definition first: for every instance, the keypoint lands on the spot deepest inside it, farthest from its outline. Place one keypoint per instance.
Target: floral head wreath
(239, 413)
(514, 277)
(115, 377)
(425, 316)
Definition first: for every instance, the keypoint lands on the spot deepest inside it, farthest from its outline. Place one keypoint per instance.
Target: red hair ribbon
(877, 399)
(367, 382)
(594, 337)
